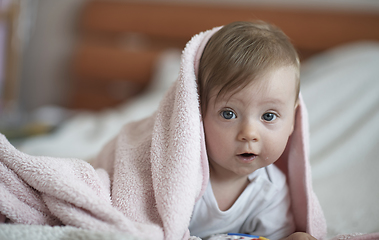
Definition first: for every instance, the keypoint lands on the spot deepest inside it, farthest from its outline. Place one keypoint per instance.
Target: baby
(249, 86)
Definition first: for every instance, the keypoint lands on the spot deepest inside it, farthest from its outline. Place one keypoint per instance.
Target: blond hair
(238, 53)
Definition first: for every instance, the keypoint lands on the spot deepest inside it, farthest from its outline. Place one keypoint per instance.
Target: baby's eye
(269, 117)
(227, 114)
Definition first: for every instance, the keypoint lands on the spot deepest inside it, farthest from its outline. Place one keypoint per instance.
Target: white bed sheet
(341, 91)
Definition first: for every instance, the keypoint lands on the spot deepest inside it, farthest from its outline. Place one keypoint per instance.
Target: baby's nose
(249, 132)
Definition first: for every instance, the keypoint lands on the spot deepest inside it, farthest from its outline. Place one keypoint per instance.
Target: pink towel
(155, 170)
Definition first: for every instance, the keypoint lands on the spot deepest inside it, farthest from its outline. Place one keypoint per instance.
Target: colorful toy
(235, 236)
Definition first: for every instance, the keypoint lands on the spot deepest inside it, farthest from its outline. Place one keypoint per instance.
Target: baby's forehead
(278, 81)
(285, 74)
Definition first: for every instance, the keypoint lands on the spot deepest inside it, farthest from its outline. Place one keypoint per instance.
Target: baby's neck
(227, 192)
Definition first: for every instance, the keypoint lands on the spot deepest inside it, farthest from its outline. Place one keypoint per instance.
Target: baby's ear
(297, 104)
(294, 115)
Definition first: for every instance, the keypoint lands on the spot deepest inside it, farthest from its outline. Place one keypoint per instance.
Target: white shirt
(262, 209)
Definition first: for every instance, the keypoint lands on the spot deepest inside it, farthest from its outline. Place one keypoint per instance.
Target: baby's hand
(299, 236)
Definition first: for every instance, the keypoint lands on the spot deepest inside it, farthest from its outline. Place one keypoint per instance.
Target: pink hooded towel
(148, 177)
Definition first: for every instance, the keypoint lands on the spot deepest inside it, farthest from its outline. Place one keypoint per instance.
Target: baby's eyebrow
(274, 101)
(232, 99)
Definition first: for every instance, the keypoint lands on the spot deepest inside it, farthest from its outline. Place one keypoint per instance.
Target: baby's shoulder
(276, 176)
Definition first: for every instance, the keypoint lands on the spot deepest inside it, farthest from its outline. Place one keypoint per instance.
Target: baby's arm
(299, 236)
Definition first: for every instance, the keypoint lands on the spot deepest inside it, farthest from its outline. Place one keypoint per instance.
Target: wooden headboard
(120, 40)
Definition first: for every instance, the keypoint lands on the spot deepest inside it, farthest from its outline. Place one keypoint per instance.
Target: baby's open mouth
(246, 155)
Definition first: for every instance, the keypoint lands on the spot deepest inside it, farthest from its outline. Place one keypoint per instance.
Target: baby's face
(250, 129)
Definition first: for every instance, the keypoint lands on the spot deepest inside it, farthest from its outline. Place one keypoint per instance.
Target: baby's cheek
(215, 146)
(276, 148)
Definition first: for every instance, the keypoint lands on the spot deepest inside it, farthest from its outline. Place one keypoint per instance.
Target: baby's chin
(246, 171)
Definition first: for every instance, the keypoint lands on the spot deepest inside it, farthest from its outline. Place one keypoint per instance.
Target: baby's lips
(247, 158)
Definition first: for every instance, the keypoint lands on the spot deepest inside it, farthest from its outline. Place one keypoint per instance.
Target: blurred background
(37, 43)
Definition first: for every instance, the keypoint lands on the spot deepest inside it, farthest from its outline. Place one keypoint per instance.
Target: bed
(128, 54)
